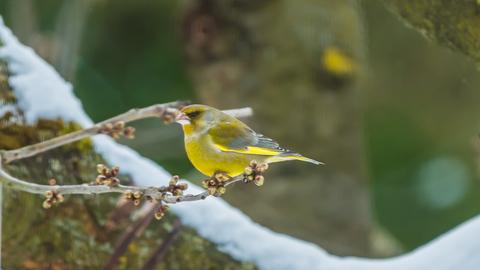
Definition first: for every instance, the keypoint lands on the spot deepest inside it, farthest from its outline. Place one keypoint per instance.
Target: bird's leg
(216, 184)
(254, 173)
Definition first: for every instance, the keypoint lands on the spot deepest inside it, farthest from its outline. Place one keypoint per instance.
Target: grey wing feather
(250, 138)
(240, 143)
(265, 142)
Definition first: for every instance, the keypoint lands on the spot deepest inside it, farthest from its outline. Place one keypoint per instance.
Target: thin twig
(86, 189)
(240, 113)
(132, 232)
(162, 250)
(159, 110)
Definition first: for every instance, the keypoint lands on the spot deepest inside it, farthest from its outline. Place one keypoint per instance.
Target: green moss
(14, 134)
(451, 23)
(63, 236)
(6, 95)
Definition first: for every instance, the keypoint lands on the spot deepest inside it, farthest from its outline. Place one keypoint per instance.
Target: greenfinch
(216, 142)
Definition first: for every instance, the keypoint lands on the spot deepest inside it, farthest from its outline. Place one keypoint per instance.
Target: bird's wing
(239, 138)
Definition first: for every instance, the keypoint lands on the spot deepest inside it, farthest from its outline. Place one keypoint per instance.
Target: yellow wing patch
(251, 150)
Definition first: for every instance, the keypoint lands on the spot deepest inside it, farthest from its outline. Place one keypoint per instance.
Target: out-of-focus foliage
(421, 129)
(121, 65)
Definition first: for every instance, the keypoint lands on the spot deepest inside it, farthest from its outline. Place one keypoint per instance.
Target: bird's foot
(254, 173)
(216, 184)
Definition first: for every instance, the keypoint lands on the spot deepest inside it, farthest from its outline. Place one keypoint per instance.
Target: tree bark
(298, 64)
(455, 24)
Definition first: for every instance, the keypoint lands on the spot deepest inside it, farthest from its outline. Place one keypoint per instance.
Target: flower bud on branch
(107, 177)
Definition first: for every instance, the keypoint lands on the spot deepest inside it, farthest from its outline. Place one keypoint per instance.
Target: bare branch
(240, 113)
(162, 250)
(132, 115)
(133, 231)
(166, 111)
(154, 193)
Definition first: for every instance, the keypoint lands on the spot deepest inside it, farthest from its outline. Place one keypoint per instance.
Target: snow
(41, 92)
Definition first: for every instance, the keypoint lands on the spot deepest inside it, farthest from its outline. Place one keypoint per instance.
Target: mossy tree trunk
(455, 24)
(82, 232)
(298, 64)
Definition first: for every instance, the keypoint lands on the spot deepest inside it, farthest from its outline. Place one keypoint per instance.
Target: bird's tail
(292, 156)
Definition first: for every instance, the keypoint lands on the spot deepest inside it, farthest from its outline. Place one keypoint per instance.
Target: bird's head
(196, 116)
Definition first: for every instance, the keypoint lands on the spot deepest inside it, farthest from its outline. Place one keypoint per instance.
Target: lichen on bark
(455, 24)
(78, 234)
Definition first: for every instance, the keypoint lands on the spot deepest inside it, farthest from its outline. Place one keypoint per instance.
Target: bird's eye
(193, 114)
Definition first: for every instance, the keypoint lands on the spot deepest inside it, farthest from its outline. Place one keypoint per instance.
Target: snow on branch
(41, 92)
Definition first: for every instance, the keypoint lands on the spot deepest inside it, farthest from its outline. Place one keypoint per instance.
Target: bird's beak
(182, 119)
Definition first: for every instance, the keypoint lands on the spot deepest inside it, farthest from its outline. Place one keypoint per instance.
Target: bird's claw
(254, 173)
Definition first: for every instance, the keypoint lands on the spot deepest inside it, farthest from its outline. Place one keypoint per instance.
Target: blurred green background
(419, 101)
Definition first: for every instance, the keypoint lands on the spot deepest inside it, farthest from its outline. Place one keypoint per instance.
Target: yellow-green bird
(217, 142)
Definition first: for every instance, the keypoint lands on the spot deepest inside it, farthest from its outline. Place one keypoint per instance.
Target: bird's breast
(208, 159)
